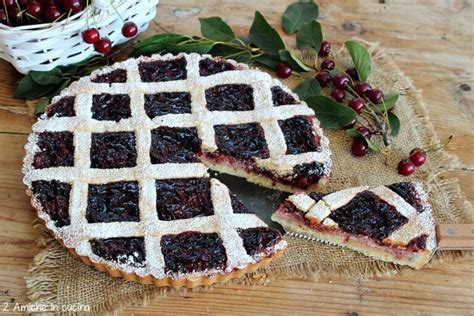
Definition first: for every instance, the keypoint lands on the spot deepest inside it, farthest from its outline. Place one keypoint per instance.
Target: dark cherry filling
(237, 206)
(299, 135)
(281, 97)
(418, 243)
(193, 252)
(167, 103)
(230, 97)
(367, 214)
(117, 75)
(211, 66)
(53, 197)
(174, 144)
(56, 149)
(257, 240)
(113, 202)
(63, 108)
(291, 210)
(317, 196)
(308, 173)
(113, 150)
(183, 198)
(408, 193)
(124, 250)
(243, 141)
(111, 107)
(163, 70)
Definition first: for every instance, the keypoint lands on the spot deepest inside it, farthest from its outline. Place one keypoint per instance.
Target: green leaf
(334, 72)
(240, 55)
(41, 105)
(264, 36)
(394, 123)
(192, 47)
(295, 63)
(297, 14)
(389, 101)
(268, 60)
(309, 35)
(330, 113)
(28, 89)
(216, 29)
(361, 58)
(45, 78)
(158, 45)
(307, 88)
(353, 133)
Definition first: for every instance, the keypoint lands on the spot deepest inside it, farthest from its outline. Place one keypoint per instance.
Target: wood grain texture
(431, 40)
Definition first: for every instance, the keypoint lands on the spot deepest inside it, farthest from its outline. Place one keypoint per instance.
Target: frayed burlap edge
(42, 283)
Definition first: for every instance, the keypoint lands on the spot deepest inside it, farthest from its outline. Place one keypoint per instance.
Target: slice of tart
(113, 169)
(392, 223)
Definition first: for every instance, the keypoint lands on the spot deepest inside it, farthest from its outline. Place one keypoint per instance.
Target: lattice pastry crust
(392, 223)
(114, 167)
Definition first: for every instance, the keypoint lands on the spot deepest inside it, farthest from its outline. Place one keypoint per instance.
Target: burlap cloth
(59, 278)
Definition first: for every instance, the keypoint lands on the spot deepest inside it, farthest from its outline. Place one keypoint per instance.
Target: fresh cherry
(8, 3)
(283, 70)
(375, 96)
(340, 81)
(364, 131)
(23, 3)
(338, 94)
(359, 147)
(324, 78)
(357, 105)
(75, 6)
(406, 167)
(362, 88)
(418, 156)
(103, 46)
(91, 36)
(328, 64)
(3, 16)
(52, 13)
(129, 29)
(15, 15)
(34, 9)
(324, 49)
(352, 72)
(351, 124)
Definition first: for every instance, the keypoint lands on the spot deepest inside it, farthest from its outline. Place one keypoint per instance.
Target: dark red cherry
(8, 3)
(418, 157)
(324, 78)
(15, 15)
(328, 64)
(364, 131)
(74, 5)
(3, 16)
(103, 46)
(338, 94)
(352, 72)
(340, 81)
(362, 88)
(406, 167)
(351, 124)
(375, 96)
(357, 105)
(324, 48)
(91, 36)
(129, 29)
(52, 13)
(283, 70)
(34, 9)
(359, 147)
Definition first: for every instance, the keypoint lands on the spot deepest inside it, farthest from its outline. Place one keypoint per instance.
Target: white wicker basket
(42, 47)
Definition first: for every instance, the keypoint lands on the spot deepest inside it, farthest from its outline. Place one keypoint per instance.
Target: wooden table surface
(431, 40)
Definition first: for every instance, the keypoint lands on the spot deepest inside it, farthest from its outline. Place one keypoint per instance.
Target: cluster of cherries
(24, 12)
(104, 45)
(346, 85)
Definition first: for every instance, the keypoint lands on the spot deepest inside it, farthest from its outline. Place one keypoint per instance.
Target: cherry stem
(438, 146)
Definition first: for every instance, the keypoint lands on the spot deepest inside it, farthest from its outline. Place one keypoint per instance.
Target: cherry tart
(114, 170)
(392, 223)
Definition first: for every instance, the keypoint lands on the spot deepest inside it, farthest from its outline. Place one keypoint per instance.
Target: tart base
(262, 181)
(415, 260)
